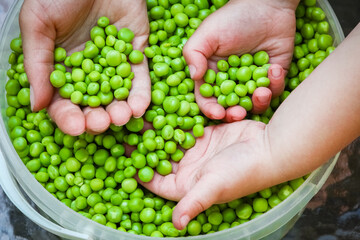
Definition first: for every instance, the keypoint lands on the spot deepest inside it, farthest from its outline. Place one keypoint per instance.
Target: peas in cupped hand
(247, 73)
(109, 48)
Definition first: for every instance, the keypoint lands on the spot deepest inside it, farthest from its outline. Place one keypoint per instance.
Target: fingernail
(264, 99)
(276, 72)
(192, 70)
(32, 98)
(184, 220)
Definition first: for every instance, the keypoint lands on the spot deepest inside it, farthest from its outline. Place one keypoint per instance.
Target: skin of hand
(45, 24)
(240, 27)
(318, 119)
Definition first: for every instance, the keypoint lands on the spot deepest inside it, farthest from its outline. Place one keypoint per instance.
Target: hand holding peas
(212, 173)
(243, 27)
(45, 24)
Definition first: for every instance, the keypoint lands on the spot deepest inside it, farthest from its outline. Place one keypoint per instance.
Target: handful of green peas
(102, 71)
(91, 174)
(236, 79)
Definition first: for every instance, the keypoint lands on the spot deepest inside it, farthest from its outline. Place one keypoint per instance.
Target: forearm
(321, 116)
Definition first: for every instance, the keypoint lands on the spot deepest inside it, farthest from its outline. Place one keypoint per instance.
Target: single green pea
(121, 93)
(146, 174)
(307, 31)
(261, 58)
(246, 103)
(285, 192)
(181, 19)
(23, 96)
(59, 54)
(126, 35)
(263, 82)
(16, 45)
(164, 167)
(12, 87)
(129, 185)
(113, 58)
(136, 57)
(227, 87)
(223, 65)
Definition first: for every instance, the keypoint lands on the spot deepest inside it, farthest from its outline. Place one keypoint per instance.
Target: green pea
(285, 192)
(318, 14)
(227, 87)
(23, 96)
(181, 19)
(274, 200)
(263, 82)
(146, 174)
(136, 57)
(260, 205)
(171, 104)
(189, 141)
(123, 70)
(241, 90)
(164, 167)
(307, 31)
(223, 65)
(61, 184)
(173, 80)
(33, 165)
(126, 35)
(261, 58)
(12, 87)
(198, 130)
(324, 41)
(129, 185)
(59, 54)
(113, 58)
(121, 93)
(246, 103)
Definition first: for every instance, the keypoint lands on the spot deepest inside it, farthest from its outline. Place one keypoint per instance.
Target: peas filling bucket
(20, 185)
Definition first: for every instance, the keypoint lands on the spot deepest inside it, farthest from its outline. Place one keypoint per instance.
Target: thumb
(204, 194)
(276, 75)
(200, 46)
(38, 35)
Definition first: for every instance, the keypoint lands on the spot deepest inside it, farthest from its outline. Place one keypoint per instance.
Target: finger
(200, 46)
(140, 93)
(68, 116)
(235, 113)
(38, 35)
(276, 75)
(119, 112)
(204, 194)
(164, 186)
(97, 120)
(208, 106)
(261, 99)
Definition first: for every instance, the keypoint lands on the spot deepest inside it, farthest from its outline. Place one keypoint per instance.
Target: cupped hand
(230, 161)
(240, 27)
(45, 24)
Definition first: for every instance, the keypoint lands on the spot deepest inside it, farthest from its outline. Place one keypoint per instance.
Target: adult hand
(239, 27)
(230, 161)
(45, 24)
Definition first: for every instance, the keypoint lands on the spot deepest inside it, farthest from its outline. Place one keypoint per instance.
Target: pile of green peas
(100, 72)
(93, 176)
(236, 79)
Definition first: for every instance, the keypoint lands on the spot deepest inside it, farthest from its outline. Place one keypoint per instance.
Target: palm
(221, 167)
(68, 25)
(239, 30)
(214, 159)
